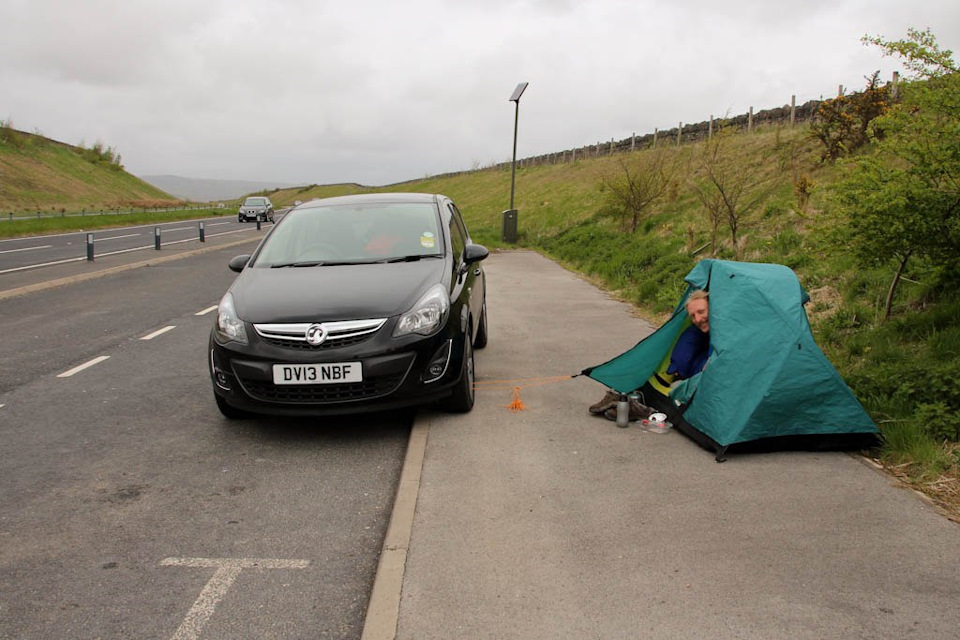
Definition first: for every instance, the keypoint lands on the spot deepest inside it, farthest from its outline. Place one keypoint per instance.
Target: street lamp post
(515, 98)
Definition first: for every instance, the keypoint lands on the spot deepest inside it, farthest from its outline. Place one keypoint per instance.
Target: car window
(354, 233)
(457, 233)
(255, 202)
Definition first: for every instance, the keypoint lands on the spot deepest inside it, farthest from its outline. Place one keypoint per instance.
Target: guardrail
(11, 216)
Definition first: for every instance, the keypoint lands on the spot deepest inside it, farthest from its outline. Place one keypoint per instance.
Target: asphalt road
(19, 254)
(129, 508)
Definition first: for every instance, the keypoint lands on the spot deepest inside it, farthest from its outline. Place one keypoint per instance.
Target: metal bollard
(90, 247)
(258, 224)
(156, 238)
(202, 239)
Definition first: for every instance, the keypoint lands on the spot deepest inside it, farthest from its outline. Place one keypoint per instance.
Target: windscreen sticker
(427, 241)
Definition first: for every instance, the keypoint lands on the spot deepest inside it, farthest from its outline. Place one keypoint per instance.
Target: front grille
(321, 393)
(336, 334)
(301, 344)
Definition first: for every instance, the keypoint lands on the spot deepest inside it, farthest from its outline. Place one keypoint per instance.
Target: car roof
(374, 198)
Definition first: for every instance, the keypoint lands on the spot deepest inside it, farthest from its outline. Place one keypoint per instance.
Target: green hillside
(39, 174)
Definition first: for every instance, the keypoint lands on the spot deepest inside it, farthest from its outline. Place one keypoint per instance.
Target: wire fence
(788, 115)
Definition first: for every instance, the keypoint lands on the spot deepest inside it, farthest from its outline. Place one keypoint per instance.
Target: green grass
(43, 175)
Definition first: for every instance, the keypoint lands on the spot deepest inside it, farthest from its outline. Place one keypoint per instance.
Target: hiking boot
(609, 400)
(637, 411)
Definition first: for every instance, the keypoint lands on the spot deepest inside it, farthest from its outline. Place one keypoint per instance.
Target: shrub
(939, 420)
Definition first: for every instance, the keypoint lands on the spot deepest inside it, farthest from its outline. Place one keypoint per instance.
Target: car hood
(320, 294)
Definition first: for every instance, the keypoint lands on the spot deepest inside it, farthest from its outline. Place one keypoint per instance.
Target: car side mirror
(237, 263)
(474, 253)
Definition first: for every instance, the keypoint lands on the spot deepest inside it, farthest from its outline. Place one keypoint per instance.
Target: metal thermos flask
(623, 411)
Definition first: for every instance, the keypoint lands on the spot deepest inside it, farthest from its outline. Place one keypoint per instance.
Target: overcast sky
(383, 91)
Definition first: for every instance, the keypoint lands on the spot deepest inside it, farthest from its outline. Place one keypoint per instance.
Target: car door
(471, 276)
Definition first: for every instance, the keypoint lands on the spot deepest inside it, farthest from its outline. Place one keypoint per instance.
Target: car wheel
(480, 341)
(240, 219)
(229, 411)
(461, 401)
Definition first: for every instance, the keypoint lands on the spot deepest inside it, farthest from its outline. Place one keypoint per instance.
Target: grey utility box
(509, 228)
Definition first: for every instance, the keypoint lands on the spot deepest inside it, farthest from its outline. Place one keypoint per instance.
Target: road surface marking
(129, 235)
(227, 570)
(159, 332)
(43, 246)
(85, 365)
(113, 253)
(207, 310)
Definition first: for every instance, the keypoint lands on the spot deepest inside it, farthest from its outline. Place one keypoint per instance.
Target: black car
(258, 208)
(353, 304)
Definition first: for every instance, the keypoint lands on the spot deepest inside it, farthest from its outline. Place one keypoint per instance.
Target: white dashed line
(85, 365)
(227, 570)
(159, 332)
(207, 310)
(43, 246)
(129, 235)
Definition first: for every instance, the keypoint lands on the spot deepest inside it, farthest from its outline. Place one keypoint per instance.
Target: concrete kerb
(383, 611)
(50, 284)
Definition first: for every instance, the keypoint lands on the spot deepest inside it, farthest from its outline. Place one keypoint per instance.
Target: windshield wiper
(282, 265)
(412, 258)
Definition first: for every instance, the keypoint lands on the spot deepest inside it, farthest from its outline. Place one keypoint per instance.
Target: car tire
(462, 398)
(228, 410)
(480, 341)
(240, 219)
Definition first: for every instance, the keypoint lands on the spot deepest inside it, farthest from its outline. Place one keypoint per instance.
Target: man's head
(698, 306)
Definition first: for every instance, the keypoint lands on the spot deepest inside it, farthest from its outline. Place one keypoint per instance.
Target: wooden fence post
(750, 121)
(655, 131)
(710, 130)
(793, 110)
(679, 132)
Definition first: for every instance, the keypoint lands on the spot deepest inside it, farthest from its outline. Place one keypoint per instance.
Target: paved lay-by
(550, 523)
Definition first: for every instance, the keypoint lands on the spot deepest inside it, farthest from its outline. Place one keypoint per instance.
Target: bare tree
(731, 189)
(642, 179)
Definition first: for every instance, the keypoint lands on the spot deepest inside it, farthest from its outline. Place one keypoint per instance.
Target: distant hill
(204, 190)
(40, 174)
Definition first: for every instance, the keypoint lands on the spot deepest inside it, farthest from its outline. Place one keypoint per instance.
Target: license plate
(328, 373)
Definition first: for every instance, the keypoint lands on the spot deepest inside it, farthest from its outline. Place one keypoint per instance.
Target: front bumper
(243, 376)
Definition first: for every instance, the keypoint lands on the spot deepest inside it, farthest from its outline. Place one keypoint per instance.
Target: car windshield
(355, 233)
(255, 202)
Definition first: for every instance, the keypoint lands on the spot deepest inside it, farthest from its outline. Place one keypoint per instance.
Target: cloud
(380, 92)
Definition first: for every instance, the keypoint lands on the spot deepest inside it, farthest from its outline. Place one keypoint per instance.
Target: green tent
(766, 380)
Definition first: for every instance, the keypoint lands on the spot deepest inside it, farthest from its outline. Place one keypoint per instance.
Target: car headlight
(427, 316)
(229, 324)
